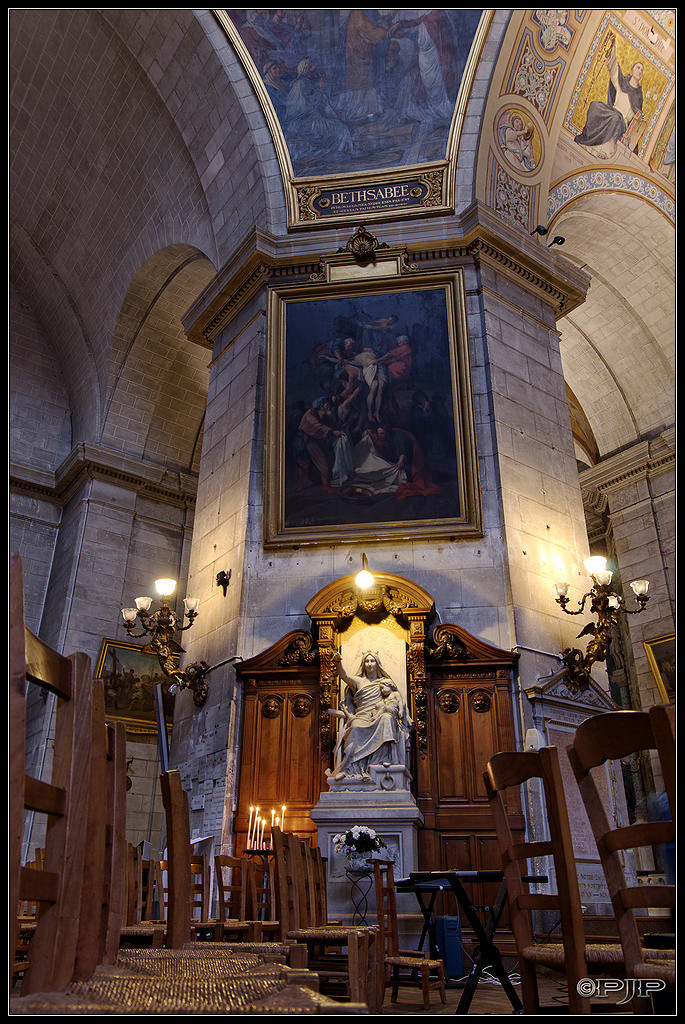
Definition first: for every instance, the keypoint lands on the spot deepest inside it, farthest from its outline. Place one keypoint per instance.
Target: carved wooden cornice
(451, 643)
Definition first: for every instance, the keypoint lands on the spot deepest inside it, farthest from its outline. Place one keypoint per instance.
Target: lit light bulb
(165, 588)
(364, 579)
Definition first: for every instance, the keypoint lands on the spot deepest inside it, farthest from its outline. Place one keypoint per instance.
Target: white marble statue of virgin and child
(374, 726)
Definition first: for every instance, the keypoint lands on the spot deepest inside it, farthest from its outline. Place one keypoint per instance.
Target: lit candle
(254, 829)
(283, 818)
(261, 835)
(249, 827)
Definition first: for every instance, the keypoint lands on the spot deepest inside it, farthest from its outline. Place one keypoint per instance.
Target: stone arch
(155, 371)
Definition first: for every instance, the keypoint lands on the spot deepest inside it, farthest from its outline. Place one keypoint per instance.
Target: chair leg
(529, 988)
(426, 986)
(395, 982)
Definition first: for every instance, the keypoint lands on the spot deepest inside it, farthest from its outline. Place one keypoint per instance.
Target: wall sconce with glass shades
(160, 626)
(607, 606)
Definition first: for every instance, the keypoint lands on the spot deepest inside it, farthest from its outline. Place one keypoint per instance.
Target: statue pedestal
(394, 816)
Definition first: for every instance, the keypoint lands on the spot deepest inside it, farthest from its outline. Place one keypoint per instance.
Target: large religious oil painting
(361, 95)
(370, 429)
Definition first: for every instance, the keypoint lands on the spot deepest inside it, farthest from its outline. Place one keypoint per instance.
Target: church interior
(296, 293)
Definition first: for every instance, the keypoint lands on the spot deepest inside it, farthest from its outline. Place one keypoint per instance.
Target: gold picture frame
(324, 491)
(661, 656)
(130, 674)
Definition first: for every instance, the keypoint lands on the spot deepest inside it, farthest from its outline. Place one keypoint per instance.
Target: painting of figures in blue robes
(357, 90)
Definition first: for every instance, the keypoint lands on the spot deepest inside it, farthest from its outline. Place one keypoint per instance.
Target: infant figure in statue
(375, 724)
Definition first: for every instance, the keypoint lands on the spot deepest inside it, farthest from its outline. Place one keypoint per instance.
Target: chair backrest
(162, 887)
(134, 884)
(115, 844)
(320, 886)
(200, 885)
(140, 886)
(510, 770)
(260, 897)
(94, 898)
(178, 915)
(233, 885)
(65, 800)
(610, 737)
(149, 874)
(386, 906)
(286, 876)
(306, 888)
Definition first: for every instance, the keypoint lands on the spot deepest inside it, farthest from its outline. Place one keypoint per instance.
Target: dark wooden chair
(58, 889)
(402, 967)
(571, 955)
(260, 898)
(178, 887)
(200, 884)
(610, 737)
(140, 886)
(105, 864)
(233, 882)
(341, 955)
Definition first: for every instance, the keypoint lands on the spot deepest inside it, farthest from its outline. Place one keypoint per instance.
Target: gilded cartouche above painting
(364, 105)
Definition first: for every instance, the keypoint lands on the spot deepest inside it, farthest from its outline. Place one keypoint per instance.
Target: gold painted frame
(661, 656)
(130, 674)
(441, 496)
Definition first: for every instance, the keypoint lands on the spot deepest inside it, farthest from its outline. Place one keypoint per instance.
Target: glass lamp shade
(595, 565)
(640, 587)
(561, 589)
(604, 578)
(129, 614)
(164, 587)
(191, 604)
(143, 603)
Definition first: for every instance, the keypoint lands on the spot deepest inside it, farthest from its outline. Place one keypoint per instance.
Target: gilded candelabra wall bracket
(608, 607)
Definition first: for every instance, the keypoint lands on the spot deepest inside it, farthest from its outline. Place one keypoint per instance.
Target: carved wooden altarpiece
(459, 692)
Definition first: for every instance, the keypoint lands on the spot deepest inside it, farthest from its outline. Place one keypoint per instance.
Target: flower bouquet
(357, 843)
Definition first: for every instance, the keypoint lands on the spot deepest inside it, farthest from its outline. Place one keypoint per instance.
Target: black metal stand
(487, 953)
(361, 882)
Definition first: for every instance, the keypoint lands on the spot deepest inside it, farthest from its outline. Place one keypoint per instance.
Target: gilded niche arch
(393, 602)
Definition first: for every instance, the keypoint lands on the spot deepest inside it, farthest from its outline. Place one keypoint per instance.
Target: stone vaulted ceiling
(119, 217)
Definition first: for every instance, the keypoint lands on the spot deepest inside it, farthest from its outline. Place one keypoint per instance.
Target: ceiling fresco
(353, 92)
(360, 89)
